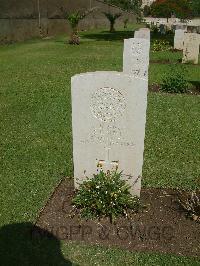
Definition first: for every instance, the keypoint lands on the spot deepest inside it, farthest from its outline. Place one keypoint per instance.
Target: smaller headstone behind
(136, 57)
(179, 39)
(193, 29)
(191, 48)
(143, 33)
(162, 29)
(181, 27)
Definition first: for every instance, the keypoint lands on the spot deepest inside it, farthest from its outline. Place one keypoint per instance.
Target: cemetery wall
(19, 20)
(190, 22)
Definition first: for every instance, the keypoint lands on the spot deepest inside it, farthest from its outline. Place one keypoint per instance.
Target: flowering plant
(174, 81)
(160, 45)
(165, 8)
(105, 195)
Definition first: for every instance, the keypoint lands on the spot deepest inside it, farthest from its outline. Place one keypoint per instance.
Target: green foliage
(129, 5)
(160, 45)
(195, 6)
(146, 11)
(105, 195)
(125, 22)
(166, 8)
(74, 19)
(112, 19)
(153, 28)
(190, 202)
(175, 81)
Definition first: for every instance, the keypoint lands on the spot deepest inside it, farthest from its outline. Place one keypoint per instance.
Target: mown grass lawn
(36, 138)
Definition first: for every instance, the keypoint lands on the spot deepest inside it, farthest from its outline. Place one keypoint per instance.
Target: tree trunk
(112, 29)
(74, 38)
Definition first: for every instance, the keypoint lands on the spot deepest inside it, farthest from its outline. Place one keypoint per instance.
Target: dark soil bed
(161, 61)
(161, 227)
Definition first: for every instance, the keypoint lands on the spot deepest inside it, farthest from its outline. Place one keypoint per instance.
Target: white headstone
(178, 39)
(181, 27)
(136, 57)
(191, 48)
(143, 33)
(162, 29)
(108, 122)
(193, 29)
(168, 26)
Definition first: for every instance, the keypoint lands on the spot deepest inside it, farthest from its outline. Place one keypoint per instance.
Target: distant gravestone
(162, 29)
(136, 57)
(143, 33)
(108, 122)
(179, 39)
(193, 29)
(181, 27)
(191, 48)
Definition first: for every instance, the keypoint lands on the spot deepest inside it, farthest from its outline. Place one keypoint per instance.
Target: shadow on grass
(26, 244)
(121, 35)
(196, 84)
(108, 36)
